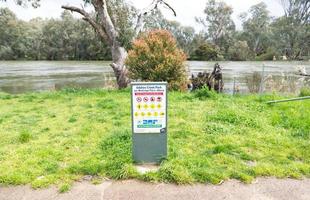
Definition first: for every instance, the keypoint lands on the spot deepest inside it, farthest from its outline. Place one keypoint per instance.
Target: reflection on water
(27, 76)
(20, 76)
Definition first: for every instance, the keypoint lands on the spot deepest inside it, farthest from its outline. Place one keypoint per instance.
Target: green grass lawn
(58, 137)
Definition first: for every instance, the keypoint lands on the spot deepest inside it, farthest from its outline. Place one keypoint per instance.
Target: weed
(24, 136)
(205, 93)
(64, 188)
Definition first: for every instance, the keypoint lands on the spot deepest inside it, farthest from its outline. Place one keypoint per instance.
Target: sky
(186, 10)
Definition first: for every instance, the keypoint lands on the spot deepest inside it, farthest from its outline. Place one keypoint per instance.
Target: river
(29, 76)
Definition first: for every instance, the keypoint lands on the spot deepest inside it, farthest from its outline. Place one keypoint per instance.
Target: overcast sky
(186, 10)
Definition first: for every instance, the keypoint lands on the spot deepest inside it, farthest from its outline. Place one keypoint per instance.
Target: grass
(58, 137)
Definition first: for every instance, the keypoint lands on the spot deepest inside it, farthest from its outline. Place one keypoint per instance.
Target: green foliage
(156, 57)
(184, 35)
(209, 140)
(67, 38)
(256, 28)
(305, 91)
(123, 16)
(218, 21)
(24, 136)
(64, 188)
(291, 31)
(206, 52)
(205, 93)
(240, 51)
(268, 55)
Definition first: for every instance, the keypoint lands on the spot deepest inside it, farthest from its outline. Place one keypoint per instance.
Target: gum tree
(107, 28)
(218, 22)
(107, 31)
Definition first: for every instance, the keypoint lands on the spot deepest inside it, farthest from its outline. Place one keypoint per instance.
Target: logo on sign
(145, 99)
(159, 99)
(152, 99)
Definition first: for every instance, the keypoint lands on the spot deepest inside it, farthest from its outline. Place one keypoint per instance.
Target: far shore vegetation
(262, 37)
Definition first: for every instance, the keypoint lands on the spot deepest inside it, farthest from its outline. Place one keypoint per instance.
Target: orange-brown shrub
(156, 57)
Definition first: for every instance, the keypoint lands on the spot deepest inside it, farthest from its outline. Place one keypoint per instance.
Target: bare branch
(146, 11)
(169, 7)
(76, 9)
(88, 18)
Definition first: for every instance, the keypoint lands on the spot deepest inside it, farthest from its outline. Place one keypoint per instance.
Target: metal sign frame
(149, 147)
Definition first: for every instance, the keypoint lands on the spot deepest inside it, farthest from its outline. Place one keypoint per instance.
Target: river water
(28, 76)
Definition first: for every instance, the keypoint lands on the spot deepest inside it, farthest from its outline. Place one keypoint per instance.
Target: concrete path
(262, 189)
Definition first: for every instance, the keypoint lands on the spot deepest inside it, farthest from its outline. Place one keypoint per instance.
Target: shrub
(156, 57)
(206, 52)
(268, 55)
(305, 91)
(253, 82)
(204, 93)
(240, 51)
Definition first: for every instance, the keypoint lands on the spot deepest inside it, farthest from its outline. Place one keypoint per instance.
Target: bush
(204, 93)
(305, 91)
(206, 52)
(268, 55)
(156, 57)
(240, 51)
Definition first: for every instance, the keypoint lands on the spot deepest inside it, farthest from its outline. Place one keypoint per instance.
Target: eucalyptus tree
(218, 22)
(184, 35)
(115, 22)
(256, 29)
(293, 29)
(107, 24)
(9, 34)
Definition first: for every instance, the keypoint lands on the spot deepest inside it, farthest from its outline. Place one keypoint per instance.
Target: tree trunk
(119, 55)
(107, 31)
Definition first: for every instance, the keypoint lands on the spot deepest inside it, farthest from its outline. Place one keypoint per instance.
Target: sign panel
(149, 107)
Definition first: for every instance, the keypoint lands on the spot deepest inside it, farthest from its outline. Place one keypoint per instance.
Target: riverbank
(31, 76)
(59, 137)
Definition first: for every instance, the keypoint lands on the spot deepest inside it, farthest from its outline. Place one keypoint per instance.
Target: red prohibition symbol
(139, 99)
(159, 99)
(145, 99)
(152, 99)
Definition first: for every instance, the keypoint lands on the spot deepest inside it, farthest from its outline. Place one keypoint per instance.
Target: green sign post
(149, 121)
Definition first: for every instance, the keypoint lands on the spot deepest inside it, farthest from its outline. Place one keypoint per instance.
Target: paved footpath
(262, 189)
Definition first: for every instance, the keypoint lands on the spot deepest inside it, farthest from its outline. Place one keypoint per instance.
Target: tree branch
(146, 11)
(105, 20)
(88, 18)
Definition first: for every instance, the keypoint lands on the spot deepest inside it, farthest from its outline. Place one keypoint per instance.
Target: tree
(206, 52)
(298, 10)
(293, 29)
(256, 28)
(112, 21)
(184, 35)
(240, 51)
(108, 28)
(156, 57)
(218, 22)
(11, 35)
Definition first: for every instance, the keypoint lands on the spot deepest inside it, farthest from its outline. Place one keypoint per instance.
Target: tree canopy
(262, 36)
